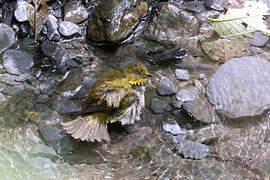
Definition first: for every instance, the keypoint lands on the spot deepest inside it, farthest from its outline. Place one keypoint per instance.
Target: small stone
(52, 28)
(182, 74)
(47, 86)
(177, 104)
(43, 98)
(22, 10)
(75, 12)
(56, 138)
(68, 28)
(185, 95)
(17, 61)
(7, 37)
(215, 4)
(165, 87)
(202, 76)
(259, 39)
(159, 106)
(193, 150)
(174, 129)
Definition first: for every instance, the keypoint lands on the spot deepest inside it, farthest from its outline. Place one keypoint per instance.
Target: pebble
(182, 74)
(22, 10)
(174, 129)
(52, 28)
(17, 61)
(7, 37)
(75, 12)
(185, 95)
(194, 150)
(259, 39)
(165, 87)
(68, 28)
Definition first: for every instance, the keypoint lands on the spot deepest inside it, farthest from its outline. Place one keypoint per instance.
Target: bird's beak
(149, 74)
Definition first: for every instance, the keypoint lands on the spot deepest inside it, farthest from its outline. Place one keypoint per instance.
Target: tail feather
(89, 128)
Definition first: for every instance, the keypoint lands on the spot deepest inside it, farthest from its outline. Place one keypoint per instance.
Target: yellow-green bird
(115, 96)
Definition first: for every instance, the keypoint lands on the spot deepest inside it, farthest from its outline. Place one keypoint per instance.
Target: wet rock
(199, 108)
(193, 150)
(240, 87)
(52, 28)
(56, 53)
(65, 106)
(42, 98)
(48, 86)
(75, 12)
(182, 74)
(22, 10)
(165, 87)
(173, 26)
(174, 129)
(113, 21)
(207, 135)
(259, 39)
(159, 106)
(39, 163)
(17, 61)
(68, 28)
(70, 81)
(218, 5)
(185, 95)
(7, 37)
(56, 139)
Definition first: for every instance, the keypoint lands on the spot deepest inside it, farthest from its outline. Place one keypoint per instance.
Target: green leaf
(240, 22)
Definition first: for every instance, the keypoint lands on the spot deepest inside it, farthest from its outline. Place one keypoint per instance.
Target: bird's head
(136, 73)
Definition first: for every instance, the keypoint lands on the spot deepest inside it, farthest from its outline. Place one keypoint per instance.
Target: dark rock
(240, 87)
(185, 95)
(218, 5)
(200, 108)
(17, 62)
(52, 28)
(7, 37)
(174, 129)
(56, 138)
(159, 106)
(165, 87)
(65, 106)
(113, 21)
(68, 28)
(172, 26)
(75, 12)
(182, 74)
(56, 53)
(203, 17)
(259, 39)
(193, 150)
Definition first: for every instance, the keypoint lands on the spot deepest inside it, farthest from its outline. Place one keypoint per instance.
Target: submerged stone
(193, 150)
(174, 129)
(165, 87)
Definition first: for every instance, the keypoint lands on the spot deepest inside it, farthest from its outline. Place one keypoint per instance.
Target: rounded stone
(241, 87)
(185, 95)
(165, 87)
(7, 37)
(17, 61)
(182, 74)
(259, 40)
(68, 28)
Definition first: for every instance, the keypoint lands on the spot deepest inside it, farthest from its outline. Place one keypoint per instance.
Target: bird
(116, 96)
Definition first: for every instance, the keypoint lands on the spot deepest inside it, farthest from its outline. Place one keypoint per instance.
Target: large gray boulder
(241, 87)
